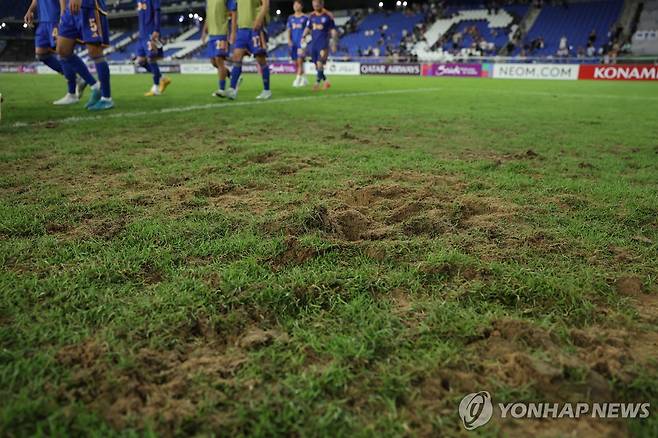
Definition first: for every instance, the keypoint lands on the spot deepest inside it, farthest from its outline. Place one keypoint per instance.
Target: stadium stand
(378, 33)
(575, 21)
(645, 38)
(479, 25)
(424, 31)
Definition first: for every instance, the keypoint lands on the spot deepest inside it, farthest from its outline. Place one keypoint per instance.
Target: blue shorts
(296, 52)
(253, 41)
(146, 49)
(45, 36)
(218, 46)
(89, 26)
(316, 53)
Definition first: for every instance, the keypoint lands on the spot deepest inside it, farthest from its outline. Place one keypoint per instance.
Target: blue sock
(51, 62)
(69, 74)
(266, 77)
(235, 74)
(324, 78)
(155, 69)
(222, 84)
(70, 83)
(103, 70)
(146, 67)
(78, 66)
(319, 75)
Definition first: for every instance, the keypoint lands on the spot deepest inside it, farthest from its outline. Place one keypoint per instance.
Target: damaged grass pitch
(357, 273)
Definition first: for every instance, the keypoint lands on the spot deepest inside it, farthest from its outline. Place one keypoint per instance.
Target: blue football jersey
(148, 17)
(92, 4)
(48, 10)
(321, 25)
(297, 25)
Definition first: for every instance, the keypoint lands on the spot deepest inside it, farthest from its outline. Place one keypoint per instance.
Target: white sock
(96, 86)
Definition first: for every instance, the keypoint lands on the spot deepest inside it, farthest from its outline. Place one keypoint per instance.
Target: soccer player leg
(219, 52)
(148, 59)
(242, 44)
(95, 31)
(303, 82)
(294, 57)
(319, 75)
(69, 33)
(140, 61)
(259, 50)
(324, 55)
(71, 63)
(300, 63)
(44, 45)
(160, 82)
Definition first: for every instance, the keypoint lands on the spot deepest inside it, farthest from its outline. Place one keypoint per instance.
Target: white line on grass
(209, 106)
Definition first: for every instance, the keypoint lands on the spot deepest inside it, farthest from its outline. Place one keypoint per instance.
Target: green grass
(351, 263)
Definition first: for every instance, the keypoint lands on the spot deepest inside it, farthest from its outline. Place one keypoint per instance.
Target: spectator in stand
(563, 48)
(626, 48)
(591, 50)
(614, 53)
(456, 41)
(536, 44)
(592, 37)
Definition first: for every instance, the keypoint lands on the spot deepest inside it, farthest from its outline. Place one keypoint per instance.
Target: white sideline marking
(183, 109)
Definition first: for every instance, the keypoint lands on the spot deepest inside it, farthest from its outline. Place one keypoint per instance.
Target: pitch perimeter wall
(562, 72)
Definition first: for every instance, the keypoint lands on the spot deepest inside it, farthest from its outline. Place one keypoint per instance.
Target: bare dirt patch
(165, 388)
(103, 228)
(264, 157)
(629, 285)
(389, 211)
(519, 354)
(215, 189)
(295, 253)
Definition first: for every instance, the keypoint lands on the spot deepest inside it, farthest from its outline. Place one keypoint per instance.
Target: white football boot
(231, 94)
(265, 95)
(69, 99)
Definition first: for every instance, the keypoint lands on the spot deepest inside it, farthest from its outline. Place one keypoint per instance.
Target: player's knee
(42, 56)
(64, 52)
(95, 51)
(237, 56)
(99, 59)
